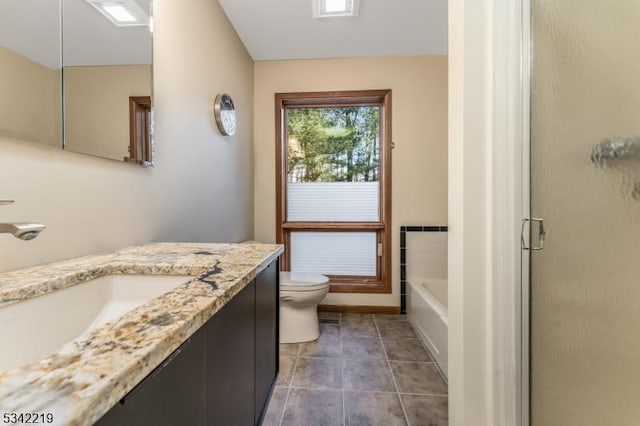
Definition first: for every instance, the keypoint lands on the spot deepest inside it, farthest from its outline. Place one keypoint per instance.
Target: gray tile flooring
(363, 370)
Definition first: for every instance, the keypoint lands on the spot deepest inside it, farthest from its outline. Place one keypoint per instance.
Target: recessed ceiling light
(335, 8)
(122, 13)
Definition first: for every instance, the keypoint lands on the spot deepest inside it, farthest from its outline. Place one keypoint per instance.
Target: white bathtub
(427, 311)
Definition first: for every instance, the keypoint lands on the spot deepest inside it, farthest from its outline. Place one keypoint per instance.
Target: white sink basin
(36, 327)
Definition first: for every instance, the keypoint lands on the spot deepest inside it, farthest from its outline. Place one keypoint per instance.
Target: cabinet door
(230, 362)
(173, 394)
(267, 312)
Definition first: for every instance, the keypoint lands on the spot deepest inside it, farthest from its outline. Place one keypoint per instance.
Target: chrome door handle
(541, 233)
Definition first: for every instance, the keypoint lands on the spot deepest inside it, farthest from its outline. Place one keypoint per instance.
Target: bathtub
(427, 312)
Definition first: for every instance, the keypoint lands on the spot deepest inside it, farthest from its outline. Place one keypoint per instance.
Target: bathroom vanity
(205, 353)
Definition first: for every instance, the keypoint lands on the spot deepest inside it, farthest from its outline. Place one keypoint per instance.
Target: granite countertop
(86, 377)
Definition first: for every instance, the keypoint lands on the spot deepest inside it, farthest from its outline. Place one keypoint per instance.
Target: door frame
(525, 283)
(139, 130)
(510, 160)
(511, 182)
(488, 197)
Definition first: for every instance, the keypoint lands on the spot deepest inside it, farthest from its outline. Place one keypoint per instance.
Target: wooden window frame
(382, 98)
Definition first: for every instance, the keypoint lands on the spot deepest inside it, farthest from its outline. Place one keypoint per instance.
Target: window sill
(344, 286)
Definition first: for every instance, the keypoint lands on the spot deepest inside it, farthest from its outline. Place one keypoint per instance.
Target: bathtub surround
(424, 265)
(427, 312)
(90, 204)
(419, 180)
(430, 259)
(86, 377)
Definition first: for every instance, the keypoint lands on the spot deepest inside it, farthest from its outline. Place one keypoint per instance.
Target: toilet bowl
(300, 294)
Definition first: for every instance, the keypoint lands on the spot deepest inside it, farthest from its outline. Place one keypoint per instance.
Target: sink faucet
(24, 231)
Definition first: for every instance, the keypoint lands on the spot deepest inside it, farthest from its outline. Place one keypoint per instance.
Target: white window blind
(333, 202)
(334, 253)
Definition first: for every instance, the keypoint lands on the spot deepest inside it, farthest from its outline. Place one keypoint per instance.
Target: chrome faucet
(24, 231)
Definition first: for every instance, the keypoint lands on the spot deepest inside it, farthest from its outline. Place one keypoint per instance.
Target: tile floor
(363, 370)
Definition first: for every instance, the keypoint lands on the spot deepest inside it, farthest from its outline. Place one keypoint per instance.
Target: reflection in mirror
(30, 62)
(107, 79)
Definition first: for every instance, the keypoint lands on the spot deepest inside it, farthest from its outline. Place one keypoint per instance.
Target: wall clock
(225, 112)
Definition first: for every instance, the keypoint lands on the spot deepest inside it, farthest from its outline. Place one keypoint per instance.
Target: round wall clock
(225, 112)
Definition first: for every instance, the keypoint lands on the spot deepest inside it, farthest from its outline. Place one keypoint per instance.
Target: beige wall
(30, 102)
(97, 107)
(201, 189)
(419, 92)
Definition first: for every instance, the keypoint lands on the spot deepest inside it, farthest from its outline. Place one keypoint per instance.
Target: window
(333, 168)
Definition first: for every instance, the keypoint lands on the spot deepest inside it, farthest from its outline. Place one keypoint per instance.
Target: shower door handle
(541, 233)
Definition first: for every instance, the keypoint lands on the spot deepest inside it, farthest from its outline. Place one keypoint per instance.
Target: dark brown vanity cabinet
(222, 376)
(173, 394)
(230, 361)
(267, 332)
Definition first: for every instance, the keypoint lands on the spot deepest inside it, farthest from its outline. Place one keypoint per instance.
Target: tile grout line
(351, 390)
(393, 377)
(286, 399)
(344, 408)
(438, 367)
(372, 391)
(433, 361)
(435, 395)
(414, 362)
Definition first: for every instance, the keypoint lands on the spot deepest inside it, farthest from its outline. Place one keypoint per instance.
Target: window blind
(333, 202)
(334, 253)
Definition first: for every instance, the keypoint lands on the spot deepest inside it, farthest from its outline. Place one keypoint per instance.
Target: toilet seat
(302, 281)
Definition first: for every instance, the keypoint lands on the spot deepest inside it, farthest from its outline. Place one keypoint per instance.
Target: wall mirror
(77, 74)
(30, 76)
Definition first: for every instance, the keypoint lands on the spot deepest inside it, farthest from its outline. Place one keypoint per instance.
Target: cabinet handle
(155, 372)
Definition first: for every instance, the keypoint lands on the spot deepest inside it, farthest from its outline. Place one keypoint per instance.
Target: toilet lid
(302, 281)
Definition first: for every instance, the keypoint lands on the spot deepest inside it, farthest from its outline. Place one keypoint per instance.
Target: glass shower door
(585, 184)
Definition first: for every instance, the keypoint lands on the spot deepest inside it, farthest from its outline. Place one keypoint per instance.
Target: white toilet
(300, 294)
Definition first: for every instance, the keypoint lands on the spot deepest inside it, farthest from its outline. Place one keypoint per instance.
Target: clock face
(225, 114)
(228, 121)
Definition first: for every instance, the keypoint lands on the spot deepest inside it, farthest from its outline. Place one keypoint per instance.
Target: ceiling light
(122, 13)
(334, 8)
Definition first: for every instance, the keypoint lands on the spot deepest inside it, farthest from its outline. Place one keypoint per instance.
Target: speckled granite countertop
(80, 382)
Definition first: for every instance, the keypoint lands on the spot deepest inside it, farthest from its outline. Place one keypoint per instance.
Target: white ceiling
(270, 29)
(285, 29)
(91, 39)
(34, 35)
(31, 28)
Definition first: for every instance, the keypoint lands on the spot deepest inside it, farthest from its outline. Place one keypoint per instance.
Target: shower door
(585, 184)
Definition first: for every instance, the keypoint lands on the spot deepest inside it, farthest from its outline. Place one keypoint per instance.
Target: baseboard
(360, 309)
